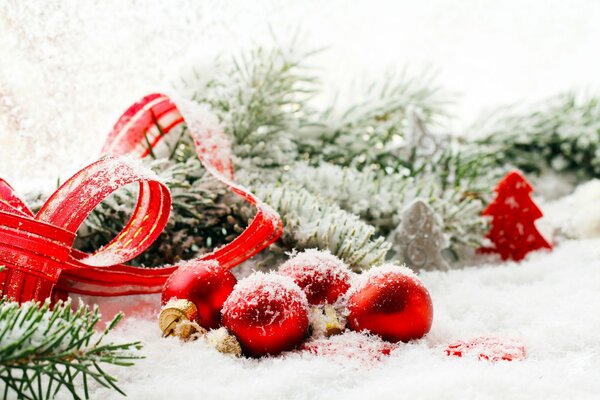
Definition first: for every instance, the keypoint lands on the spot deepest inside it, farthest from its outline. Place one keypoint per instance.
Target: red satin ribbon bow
(36, 251)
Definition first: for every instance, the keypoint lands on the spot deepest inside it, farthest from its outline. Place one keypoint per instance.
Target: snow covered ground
(70, 68)
(550, 302)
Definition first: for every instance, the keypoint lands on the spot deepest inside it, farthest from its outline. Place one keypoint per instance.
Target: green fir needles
(49, 352)
(561, 134)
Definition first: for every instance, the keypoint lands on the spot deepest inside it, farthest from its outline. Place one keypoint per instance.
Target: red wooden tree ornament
(513, 213)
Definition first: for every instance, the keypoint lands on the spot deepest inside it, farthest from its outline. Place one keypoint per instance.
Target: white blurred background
(68, 69)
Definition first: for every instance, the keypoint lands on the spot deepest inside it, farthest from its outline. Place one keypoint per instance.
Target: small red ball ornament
(204, 283)
(392, 303)
(322, 276)
(268, 313)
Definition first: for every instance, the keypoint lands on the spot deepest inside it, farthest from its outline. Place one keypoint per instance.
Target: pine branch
(260, 98)
(367, 133)
(452, 188)
(562, 134)
(47, 352)
(314, 222)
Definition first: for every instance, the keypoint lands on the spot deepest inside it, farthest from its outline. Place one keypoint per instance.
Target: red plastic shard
(366, 349)
(513, 233)
(488, 348)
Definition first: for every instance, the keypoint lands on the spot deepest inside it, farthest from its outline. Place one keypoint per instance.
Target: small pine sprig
(314, 222)
(260, 98)
(46, 352)
(368, 133)
(448, 186)
(562, 134)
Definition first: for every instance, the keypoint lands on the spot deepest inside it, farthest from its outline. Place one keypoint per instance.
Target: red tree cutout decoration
(513, 213)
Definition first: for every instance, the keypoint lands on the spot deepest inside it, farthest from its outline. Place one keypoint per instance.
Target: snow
(73, 67)
(364, 279)
(585, 220)
(549, 302)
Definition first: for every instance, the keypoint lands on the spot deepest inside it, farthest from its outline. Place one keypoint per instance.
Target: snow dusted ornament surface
(324, 279)
(204, 283)
(268, 313)
(513, 213)
(322, 276)
(356, 346)
(36, 250)
(390, 302)
(420, 238)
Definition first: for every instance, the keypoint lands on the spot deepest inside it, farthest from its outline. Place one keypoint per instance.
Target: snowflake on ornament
(513, 213)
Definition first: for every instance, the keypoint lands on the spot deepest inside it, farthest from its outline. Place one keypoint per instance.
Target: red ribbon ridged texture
(36, 251)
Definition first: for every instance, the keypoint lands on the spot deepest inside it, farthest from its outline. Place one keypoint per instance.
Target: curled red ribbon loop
(144, 125)
(37, 252)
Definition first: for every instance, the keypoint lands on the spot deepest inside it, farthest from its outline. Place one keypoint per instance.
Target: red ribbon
(36, 251)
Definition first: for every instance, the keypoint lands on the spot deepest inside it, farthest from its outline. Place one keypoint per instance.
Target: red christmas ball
(392, 303)
(322, 276)
(204, 283)
(268, 313)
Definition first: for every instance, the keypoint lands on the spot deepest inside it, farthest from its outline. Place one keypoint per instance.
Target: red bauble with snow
(513, 233)
(392, 303)
(204, 283)
(322, 276)
(268, 314)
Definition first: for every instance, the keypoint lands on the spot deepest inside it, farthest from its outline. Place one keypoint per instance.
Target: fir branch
(562, 134)
(450, 186)
(367, 133)
(313, 222)
(260, 98)
(45, 352)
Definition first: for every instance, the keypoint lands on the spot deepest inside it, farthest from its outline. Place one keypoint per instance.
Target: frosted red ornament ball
(204, 283)
(322, 276)
(268, 314)
(392, 303)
